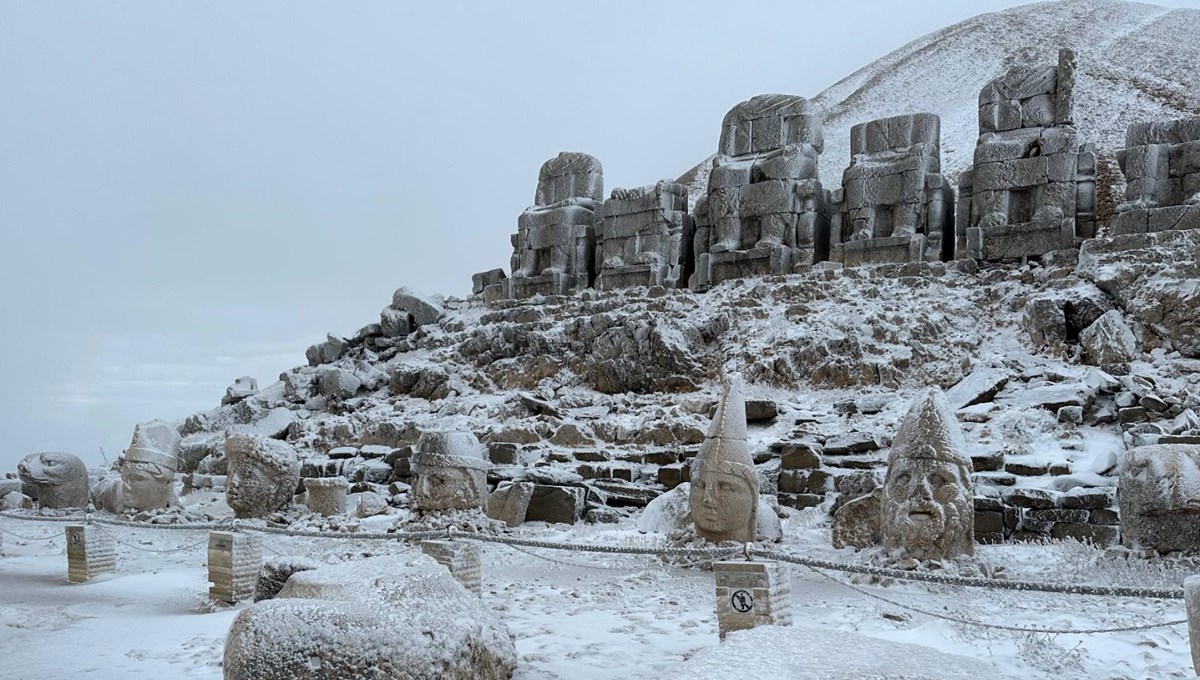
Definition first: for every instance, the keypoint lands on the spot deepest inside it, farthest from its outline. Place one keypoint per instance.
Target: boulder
(424, 309)
(338, 383)
(508, 504)
(391, 617)
(1109, 340)
(561, 504)
(856, 523)
(241, 388)
(1045, 322)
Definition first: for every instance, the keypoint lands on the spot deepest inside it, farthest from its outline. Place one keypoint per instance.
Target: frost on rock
(724, 489)
(1109, 340)
(263, 474)
(669, 514)
(927, 510)
(451, 471)
(381, 618)
(804, 653)
(424, 309)
(1159, 496)
(54, 480)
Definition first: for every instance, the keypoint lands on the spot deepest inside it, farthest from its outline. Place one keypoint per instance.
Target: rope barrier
(371, 536)
(31, 538)
(152, 550)
(998, 584)
(998, 626)
(42, 518)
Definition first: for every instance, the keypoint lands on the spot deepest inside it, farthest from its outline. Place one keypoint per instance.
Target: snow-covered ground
(585, 615)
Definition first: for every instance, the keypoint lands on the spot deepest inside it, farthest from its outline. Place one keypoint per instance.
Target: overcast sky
(194, 191)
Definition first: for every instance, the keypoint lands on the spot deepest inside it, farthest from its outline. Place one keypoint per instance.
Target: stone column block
(90, 552)
(1191, 598)
(327, 495)
(461, 558)
(234, 562)
(751, 594)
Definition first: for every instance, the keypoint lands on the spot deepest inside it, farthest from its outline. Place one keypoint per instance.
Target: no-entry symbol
(741, 601)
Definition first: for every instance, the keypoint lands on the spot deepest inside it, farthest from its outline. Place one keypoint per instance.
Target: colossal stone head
(724, 493)
(451, 471)
(148, 473)
(263, 474)
(1159, 496)
(59, 480)
(927, 510)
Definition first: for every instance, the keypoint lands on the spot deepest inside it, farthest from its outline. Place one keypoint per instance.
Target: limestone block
(54, 480)
(1158, 490)
(263, 474)
(856, 524)
(275, 572)
(482, 280)
(327, 496)
(425, 309)
(555, 504)
(337, 383)
(509, 504)
(462, 558)
(1163, 132)
(234, 562)
(1110, 340)
(395, 322)
(751, 594)
(241, 388)
(90, 552)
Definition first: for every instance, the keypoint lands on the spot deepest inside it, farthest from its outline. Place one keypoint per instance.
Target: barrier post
(1191, 598)
(462, 558)
(751, 594)
(90, 552)
(234, 561)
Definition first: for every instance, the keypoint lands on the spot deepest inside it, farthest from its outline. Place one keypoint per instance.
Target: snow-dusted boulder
(1109, 340)
(263, 474)
(1159, 496)
(424, 309)
(383, 617)
(241, 388)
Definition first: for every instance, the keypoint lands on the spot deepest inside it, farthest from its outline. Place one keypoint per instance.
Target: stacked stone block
(461, 558)
(234, 562)
(766, 210)
(895, 205)
(1161, 162)
(327, 496)
(751, 594)
(554, 247)
(90, 553)
(1032, 188)
(802, 482)
(1023, 514)
(645, 238)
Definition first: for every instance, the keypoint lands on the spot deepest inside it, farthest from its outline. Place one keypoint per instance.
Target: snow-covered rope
(157, 551)
(31, 538)
(707, 553)
(42, 518)
(999, 626)
(949, 580)
(226, 525)
(376, 536)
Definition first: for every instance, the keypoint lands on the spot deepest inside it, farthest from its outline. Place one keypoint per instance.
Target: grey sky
(194, 191)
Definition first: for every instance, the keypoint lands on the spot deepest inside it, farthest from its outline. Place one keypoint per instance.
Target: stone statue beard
(925, 503)
(248, 483)
(446, 488)
(722, 506)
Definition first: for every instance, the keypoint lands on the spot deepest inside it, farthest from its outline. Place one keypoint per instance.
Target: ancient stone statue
(894, 205)
(927, 510)
(263, 474)
(1032, 188)
(1159, 496)
(765, 210)
(54, 480)
(451, 471)
(554, 247)
(724, 492)
(645, 238)
(148, 471)
(1161, 162)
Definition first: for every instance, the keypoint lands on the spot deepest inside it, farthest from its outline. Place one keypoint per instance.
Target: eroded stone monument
(327, 496)
(1161, 162)
(927, 510)
(645, 238)
(54, 480)
(263, 474)
(1159, 496)
(895, 204)
(1032, 188)
(148, 470)
(450, 470)
(724, 493)
(766, 209)
(554, 247)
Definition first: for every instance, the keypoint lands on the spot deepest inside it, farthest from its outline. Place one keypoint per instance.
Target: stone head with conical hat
(927, 510)
(724, 493)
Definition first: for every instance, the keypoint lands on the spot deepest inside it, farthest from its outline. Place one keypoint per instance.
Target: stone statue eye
(724, 486)
(903, 479)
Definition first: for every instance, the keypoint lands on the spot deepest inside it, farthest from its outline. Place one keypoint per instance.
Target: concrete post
(234, 560)
(460, 557)
(90, 552)
(752, 594)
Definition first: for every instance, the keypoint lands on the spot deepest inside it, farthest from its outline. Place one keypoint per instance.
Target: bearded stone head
(451, 471)
(263, 474)
(148, 471)
(926, 509)
(56, 480)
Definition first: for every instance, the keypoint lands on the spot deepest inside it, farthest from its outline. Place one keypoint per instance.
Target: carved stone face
(1159, 496)
(60, 480)
(146, 486)
(723, 507)
(253, 489)
(445, 488)
(927, 509)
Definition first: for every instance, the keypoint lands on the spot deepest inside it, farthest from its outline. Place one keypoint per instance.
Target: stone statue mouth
(920, 517)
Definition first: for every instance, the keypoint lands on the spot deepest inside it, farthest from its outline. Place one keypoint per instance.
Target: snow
(608, 616)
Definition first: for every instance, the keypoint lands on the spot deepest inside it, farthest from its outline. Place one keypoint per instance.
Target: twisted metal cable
(998, 626)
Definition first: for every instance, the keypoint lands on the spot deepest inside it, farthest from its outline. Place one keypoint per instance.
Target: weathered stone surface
(326, 352)
(1098, 535)
(241, 388)
(1045, 322)
(263, 474)
(856, 523)
(927, 509)
(761, 410)
(724, 491)
(980, 385)
(451, 471)
(1159, 494)
(1109, 340)
(509, 504)
(276, 571)
(327, 496)
(645, 238)
(148, 469)
(338, 383)
(1031, 498)
(555, 504)
(482, 280)
(424, 309)
(314, 627)
(1191, 598)
(54, 480)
